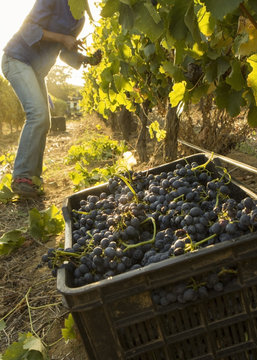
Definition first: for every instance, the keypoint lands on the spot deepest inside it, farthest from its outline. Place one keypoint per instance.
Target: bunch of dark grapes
(195, 289)
(144, 218)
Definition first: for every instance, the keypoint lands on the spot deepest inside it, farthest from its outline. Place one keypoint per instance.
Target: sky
(12, 14)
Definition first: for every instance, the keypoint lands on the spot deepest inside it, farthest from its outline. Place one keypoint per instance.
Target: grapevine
(178, 51)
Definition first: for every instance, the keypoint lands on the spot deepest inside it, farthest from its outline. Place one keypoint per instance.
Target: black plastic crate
(118, 318)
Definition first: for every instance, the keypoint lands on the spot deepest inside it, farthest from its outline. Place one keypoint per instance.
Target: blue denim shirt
(27, 44)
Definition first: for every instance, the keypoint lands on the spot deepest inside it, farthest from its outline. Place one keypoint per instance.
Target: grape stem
(121, 169)
(128, 185)
(65, 253)
(205, 164)
(225, 172)
(80, 212)
(196, 285)
(204, 240)
(179, 197)
(227, 271)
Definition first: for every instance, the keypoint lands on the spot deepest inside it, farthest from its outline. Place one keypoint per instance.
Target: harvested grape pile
(200, 287)
(144, 218)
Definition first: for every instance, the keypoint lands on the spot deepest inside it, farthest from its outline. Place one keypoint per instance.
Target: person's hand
(95, 59)
(70, 42)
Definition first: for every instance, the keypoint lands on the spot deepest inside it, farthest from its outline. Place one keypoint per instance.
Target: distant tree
(60, 107)
(57, 83)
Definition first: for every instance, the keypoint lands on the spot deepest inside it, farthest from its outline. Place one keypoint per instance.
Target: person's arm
(34, 27)
(68, 41)
(76, 59)
(72, 58)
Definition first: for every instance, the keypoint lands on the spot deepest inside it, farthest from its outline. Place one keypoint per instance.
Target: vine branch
(250, 17)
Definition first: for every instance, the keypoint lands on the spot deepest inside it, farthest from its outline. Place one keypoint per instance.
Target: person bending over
(48, 30)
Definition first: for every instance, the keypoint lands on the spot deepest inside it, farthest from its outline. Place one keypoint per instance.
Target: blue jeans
(32, 92)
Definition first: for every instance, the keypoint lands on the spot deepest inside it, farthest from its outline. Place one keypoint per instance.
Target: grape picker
(48, 30)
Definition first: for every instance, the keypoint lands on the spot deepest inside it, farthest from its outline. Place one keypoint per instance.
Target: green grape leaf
(121, 83)
(14, 351)
(206, 22)
(229, 99)
(177, 27)
(216, 69)
(149, 50)
(172, 70)
(192, 24)
(6, 193)
(239, 43)
(253, 4)
(126, 18)
(45, 223)
(177, 94)
(180, 51)
(252, 77)
(152, 11)
(10, 241)
(68, 332)
(235, 78)
(106, 75)
(145, 23)
(28, 347)
(220, 8)
(110, 8)
(213, 54)
(78, 7)
(199, 92)
(249, 97)
(252, 116)
(222, 66)
(127, 2)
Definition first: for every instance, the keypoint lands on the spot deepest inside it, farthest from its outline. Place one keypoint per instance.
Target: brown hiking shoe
(25, 188)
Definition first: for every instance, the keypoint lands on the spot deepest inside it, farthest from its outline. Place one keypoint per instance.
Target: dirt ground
(21, 273)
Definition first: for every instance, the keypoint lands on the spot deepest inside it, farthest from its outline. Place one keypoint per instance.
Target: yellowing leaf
(246, 27)
(197, 50)
(252, 77)
(206, 22)
(33, 343)
(126, 51)
(154, 129)
(122, 83)
(177, 94)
